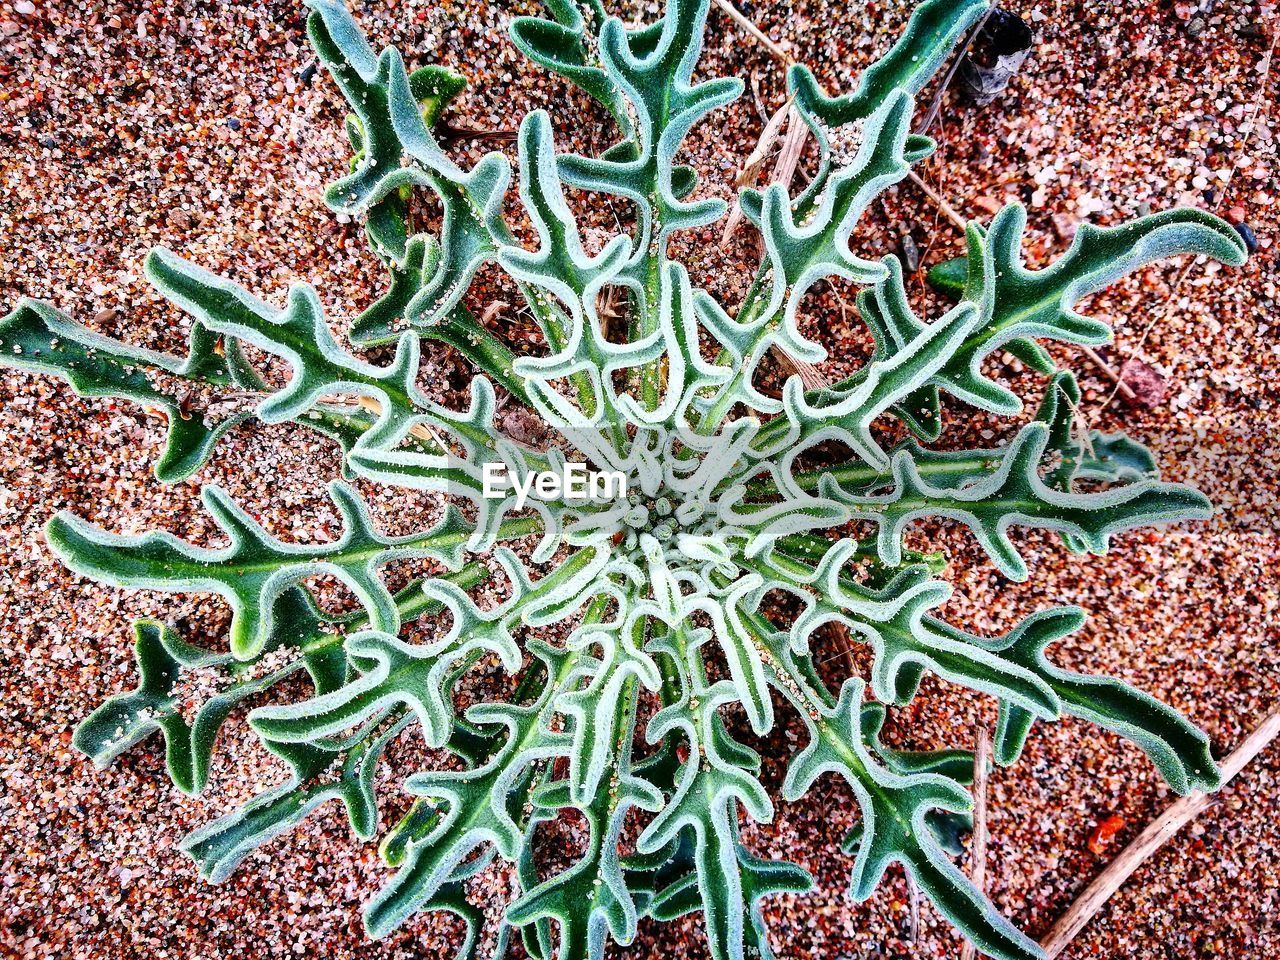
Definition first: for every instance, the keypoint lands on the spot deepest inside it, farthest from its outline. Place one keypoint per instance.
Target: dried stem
(738, 17)
(420, 430)
(810, 376)
(1150, 840)
(978, 850)
(1111, 375)
(913, 906)
(936, 104)
(751, 166)
(784, 170)
(948, 211)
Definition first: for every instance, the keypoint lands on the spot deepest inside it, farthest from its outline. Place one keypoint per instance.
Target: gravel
(201, 127)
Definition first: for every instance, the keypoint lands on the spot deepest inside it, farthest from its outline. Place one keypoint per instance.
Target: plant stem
(978, 850)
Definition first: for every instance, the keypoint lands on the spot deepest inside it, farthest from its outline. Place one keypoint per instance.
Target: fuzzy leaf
(894, 810)
(255, 568)
(1019, 305)
(37, 337)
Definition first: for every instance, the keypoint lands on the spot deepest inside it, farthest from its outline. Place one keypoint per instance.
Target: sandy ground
(198, 126)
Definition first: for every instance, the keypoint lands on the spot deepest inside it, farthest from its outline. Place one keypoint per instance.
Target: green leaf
(1021, 304)
(590, 901)
(157, 702)
(705, 803)
(894, 811)
(934, 29)
(320, 773)
(255, 568)
(654, 68)
(804, 246)
(384, 320)
(565, 45)
(35, 336)
(1179, 750)
(1015, 494)
(472, 811)
(949, 277)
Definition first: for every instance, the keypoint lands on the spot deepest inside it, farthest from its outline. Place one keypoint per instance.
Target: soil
(203, 127)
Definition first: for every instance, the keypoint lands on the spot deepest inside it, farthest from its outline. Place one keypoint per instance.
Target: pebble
(909, 252)
(1065, 226)
(1247, 235)
(1148, 386)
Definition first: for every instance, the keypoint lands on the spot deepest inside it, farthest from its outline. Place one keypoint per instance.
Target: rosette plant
(642, 648)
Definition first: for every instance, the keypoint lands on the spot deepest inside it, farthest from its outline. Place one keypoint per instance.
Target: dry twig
(738, 17)
(1150, 840)
(936, 104)
(422, 431)
(913, 906)
(492, 311)
(978, 850)
(810, 376)
(1111, 375)
(784, 169)
(948, 211)
(751, 166)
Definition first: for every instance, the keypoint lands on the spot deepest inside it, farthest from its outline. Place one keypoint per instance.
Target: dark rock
(996, 56)
(1246, 234)
(1197, 26)
(308, 73)
(233, 123)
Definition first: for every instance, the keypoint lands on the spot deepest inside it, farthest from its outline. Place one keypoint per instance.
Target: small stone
(988, 204)
(233, 123)
(1148, 386)
(1197, 26)
(909, 252)
(1247, 235)
(24, 7)
(1065, 226)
